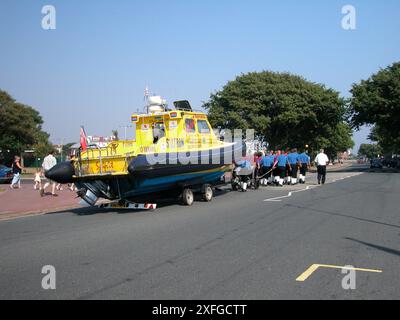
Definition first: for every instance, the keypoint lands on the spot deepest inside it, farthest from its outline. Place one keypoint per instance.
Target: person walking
(304, 166)
(282, 168)
(267, 164)
(49, 162)
(288, 171)
(275, 171)
(38, 179)
(16, 170)
(293, 159)
(258, 164)
(321, 161)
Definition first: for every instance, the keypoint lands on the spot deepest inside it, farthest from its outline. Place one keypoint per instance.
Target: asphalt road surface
(250, 245)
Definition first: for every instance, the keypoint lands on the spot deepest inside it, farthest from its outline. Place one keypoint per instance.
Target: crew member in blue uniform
(304, 166)
(239, 167)
(267, 168)
(293, 159)
(275, 171)
(282, 163)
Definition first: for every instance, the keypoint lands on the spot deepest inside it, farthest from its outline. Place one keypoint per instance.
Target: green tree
(376, 101)
(20, 127)
(369, 151)
(340, 139)
(66, 148)
(285, 110)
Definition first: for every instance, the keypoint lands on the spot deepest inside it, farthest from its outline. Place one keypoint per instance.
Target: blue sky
(93, 68)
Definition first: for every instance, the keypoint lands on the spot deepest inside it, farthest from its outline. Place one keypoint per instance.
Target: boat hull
(146, 177)
(138, 188)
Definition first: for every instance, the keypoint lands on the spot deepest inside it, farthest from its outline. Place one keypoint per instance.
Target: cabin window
(202, 126)
(189, 126)
(158, 131)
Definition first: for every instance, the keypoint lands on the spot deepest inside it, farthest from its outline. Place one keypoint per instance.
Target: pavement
(26, 201)
(253, 245)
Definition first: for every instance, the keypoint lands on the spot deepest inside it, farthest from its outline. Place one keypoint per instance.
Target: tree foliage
(66, 148)
(369, 151)
(20, 128)
(376, 101)
(285, 110)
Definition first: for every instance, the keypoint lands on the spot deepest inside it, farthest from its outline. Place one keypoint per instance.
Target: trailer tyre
(207, 194)
(187, 197)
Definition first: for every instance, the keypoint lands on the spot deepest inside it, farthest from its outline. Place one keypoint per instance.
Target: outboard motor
(88, 196)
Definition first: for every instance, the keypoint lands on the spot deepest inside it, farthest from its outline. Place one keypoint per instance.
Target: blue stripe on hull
(150, 185)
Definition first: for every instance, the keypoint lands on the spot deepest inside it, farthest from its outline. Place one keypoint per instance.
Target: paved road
(237, 247)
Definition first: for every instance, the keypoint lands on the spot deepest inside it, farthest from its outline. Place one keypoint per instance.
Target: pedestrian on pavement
(59, 187)
(49, 162)
(321, 161)
(16, 170)
(38, 179)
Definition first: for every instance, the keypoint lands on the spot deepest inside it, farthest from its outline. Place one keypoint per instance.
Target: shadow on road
(343, 215)
(161, 203)
(375, 246)
(383, 170)
(361, 168)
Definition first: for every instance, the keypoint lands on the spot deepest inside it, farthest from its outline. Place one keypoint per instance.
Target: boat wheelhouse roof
(171, 114)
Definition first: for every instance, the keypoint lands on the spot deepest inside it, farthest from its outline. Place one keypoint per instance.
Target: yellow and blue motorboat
(174, 151)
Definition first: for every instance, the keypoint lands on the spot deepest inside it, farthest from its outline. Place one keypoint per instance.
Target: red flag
(83, 139)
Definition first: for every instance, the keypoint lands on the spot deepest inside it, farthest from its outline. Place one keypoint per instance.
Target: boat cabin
(160, 130)
(180, 129)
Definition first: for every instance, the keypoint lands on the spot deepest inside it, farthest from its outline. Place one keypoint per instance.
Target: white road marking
(278, 199)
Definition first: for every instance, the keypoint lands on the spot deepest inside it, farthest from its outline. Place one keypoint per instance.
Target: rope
(266, 173)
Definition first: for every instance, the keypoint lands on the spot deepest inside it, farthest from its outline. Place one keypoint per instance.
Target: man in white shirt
(321, 161)
(49, 162)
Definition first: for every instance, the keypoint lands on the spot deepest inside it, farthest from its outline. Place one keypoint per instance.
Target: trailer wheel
(207, 193)
(187, 197)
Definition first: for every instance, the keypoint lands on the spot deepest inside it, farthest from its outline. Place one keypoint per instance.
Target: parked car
(376, 163)
(5, 174)
(390, 162)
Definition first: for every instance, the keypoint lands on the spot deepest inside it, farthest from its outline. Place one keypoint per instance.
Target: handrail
(91, 151)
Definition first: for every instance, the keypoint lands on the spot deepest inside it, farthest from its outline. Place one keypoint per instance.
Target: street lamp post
(61, 149)
(125, 129)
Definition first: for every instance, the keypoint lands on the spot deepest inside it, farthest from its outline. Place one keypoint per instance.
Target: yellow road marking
(306, 274)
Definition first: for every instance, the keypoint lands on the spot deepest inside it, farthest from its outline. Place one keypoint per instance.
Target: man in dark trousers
(282, 163)
(304, 166)
(293, 159)
(321, 160)
(268, 166)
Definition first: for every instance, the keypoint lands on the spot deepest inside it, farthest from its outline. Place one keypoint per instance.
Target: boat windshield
(189, 126)
(203, 126)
